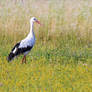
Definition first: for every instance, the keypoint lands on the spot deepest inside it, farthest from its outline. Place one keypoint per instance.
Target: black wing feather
(16, 46)
(12, 55)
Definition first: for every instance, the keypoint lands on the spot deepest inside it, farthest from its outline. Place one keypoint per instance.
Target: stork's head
(33, 19)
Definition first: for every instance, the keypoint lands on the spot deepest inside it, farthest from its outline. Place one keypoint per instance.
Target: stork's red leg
(23, 59)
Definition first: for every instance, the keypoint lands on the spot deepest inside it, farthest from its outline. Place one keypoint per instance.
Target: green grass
(61, 60)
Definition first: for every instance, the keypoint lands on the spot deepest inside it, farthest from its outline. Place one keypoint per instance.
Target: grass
(39, 76)
(61, 60)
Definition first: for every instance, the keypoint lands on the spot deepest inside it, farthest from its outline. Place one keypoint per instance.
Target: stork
(25, 45)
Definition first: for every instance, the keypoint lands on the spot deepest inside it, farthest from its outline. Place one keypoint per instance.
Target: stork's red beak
(39, 22)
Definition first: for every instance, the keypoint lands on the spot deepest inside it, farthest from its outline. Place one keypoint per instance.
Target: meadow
(61, 60)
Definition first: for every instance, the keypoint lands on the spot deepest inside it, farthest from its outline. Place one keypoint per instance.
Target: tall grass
(67, 24)
(62, 56)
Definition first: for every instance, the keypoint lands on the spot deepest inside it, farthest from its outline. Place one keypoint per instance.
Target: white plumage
(24, 46)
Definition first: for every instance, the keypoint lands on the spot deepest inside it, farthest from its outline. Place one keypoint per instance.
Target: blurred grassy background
(66, 31)
(64, 42)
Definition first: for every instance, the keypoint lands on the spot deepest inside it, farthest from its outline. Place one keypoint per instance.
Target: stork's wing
(20, 50)
(17, 51)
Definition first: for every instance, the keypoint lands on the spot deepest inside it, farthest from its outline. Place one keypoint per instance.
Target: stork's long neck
(31, 33)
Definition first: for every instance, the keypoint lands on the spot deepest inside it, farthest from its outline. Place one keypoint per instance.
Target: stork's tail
(10, 57)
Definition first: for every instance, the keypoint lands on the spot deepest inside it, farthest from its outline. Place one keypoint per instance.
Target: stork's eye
(34, 19)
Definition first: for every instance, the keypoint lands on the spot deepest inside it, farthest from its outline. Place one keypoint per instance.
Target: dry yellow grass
(57, 16)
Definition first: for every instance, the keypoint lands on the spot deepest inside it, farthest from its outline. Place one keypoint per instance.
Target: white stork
(24, 46)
